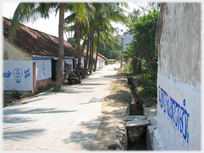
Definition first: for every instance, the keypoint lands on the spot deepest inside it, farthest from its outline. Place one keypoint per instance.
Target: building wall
(179, 77)
(12, 52)
(43, 73)
(43, 69)
(18, 75)
(82, 62)
(17, 68)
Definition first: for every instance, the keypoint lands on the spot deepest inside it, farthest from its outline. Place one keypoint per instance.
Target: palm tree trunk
(86, 59)
(61, 48)
(78, 41)
(97, 53)
(78, 49)
(92, 50)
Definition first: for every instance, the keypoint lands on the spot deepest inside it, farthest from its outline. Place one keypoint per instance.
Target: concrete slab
(137, 123)
(133, 117)
(63, 121)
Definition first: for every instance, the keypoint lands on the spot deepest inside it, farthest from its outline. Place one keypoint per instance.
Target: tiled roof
(103, 57)
(100, 57)
(38, 43)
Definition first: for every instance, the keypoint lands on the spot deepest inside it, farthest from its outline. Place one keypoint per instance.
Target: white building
(31, 58)
(179, 76)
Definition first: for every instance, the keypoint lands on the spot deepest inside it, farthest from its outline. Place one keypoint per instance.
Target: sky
(49, 26)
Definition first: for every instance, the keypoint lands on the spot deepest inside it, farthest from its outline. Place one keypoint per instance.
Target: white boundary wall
(18, 75)
(179, 77)
(179, 115)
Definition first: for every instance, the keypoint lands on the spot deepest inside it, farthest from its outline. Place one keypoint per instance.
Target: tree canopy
(108, 52)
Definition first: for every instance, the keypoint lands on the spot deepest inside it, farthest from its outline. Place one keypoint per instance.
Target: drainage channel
(136, 135)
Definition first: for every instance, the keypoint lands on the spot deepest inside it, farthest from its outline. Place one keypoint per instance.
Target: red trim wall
(43, 83)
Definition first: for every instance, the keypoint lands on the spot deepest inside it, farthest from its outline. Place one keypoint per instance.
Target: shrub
(15, 94)
(149, 84)
(128, 68)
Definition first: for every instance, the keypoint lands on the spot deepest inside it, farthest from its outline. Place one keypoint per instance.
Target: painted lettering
(7, 75)
(27, 73)
(178, 114)
(43, 68)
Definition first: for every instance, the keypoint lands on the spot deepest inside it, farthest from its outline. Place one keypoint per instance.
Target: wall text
(176, 113)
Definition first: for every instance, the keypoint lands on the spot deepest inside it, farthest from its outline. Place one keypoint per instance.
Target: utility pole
(121, 54)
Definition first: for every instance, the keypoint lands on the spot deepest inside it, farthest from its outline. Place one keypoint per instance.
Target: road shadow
(72, 91)
(13, 120)
(109, 76)
(35, 111)
(21, 134)
(84, 139)
(120, 96)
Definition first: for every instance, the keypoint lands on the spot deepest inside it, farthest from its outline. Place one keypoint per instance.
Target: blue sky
(49, 26)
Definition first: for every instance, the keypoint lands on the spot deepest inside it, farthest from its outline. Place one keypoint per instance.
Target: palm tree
(103, 27)
(28, 11)
(80, 15)
(92, 17)
(61, 47)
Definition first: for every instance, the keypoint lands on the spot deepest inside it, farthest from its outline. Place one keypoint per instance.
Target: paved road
(62, 121)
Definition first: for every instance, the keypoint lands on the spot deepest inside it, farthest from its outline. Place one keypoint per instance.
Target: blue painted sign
(17, 73)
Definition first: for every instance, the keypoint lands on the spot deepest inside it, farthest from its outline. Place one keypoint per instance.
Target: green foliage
(5, 104)
(127, 54)
(107, 51)
(115, 87)
(58, 90)
(149, 84)
(144, 36)
(15, 94)
(110, 62)
(128, 68)
(141, 52)
(128, 98)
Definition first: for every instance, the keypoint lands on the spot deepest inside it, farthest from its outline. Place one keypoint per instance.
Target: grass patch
(115, 87)
(42, 89)
(58, 90)
(5, 104)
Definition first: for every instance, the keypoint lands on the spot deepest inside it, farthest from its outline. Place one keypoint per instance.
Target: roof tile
(38, 43)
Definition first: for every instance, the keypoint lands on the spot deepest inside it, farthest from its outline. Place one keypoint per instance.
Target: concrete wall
(18, 75)
(12, 52)
(43, 72)
(18, 69)
(179, 77)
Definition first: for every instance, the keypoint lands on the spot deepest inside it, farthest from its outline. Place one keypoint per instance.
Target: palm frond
(24, 12)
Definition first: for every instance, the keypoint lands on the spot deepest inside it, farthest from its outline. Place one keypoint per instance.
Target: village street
(60, 121)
